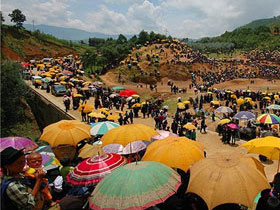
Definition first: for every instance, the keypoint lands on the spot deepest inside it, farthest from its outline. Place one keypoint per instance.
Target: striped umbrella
(268, 119)
(93, 170)
(274, 106)
(224, 109)
(135, 186)
(101, 128)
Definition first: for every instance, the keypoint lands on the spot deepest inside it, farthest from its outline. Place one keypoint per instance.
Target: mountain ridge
(73, 34)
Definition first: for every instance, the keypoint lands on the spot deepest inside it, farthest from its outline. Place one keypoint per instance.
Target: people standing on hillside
(203, 125)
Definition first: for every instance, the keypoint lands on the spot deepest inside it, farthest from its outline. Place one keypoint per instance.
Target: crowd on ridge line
(26, 184)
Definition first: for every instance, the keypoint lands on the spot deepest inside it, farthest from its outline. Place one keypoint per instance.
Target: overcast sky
(178, 18)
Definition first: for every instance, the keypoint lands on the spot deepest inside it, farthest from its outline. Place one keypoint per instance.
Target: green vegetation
(13, 91)
(107, 53)
(263, 22)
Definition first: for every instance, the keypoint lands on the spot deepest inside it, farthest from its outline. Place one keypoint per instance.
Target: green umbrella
(118, 88)
(46, 80)
(135, 186)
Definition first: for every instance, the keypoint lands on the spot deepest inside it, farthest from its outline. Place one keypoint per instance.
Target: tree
(121, 39)
(13, 92)
(17, 17)
(2, 18)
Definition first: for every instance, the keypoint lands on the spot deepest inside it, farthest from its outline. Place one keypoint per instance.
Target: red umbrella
(93, 170)
(24, 64)
(127, 93)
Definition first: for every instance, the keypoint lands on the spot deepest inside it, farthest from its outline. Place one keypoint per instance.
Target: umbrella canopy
(176, 152)
(65, 132)
(90, 150)
(128, 133)
(46, 80)
(190, 127)
(244, 115)
(100, 128)
(87, 108)
(118, 88)
(274, 106)
(240, 101)
(96, 115)
(215, 102)
(131, 148)
(224, 121)
(227, 178)
(113, 117)
(224, 109)
(268, 119)
(128, 93)
(93, 170)
(162, 134)
(48, 157)
(67, 73)
(181, 105)
(17, 143)
(232, 126)
(135, 186)
(268, 146)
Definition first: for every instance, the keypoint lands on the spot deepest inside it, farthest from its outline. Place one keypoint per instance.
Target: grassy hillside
(263, 22)
(21, 44)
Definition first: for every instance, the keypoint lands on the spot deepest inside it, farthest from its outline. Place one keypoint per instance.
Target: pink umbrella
(133, 147)
(232, 126)
(163, 134)
(17, 143)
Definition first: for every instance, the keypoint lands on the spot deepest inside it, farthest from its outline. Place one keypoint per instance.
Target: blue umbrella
(101, 128)
(244, 115)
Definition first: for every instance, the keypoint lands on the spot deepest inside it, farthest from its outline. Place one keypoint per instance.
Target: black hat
(10, 155)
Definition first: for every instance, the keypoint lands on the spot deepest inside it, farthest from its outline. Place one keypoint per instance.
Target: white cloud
(182, 18)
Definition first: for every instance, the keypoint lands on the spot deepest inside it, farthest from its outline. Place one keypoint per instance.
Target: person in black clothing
(130, 116)
(120, 119)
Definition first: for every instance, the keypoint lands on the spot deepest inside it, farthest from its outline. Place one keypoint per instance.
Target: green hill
(263, 22)
(264, 34)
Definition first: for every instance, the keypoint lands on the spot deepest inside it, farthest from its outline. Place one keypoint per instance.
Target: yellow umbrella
(223, 121)
(267, 98)
(113, 117)
(233, 96)
(85, 88)
(90, 150)
(70, 83)
(63, 82)
(103, 110)
(128, 133)
(227, 178)
(144, 102)
(276, 96)
(209, 92)
(215, 102)
(248, 99)
(96, 115)
(175, 152)
(78, 95)
(186, 102)
(86, 83)
(65, 132)
(181, 106)
(240, 101)
(38, 81)
(62, 78)
(136, 105)
(189, 127)
(87, 108)
(268, 146)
